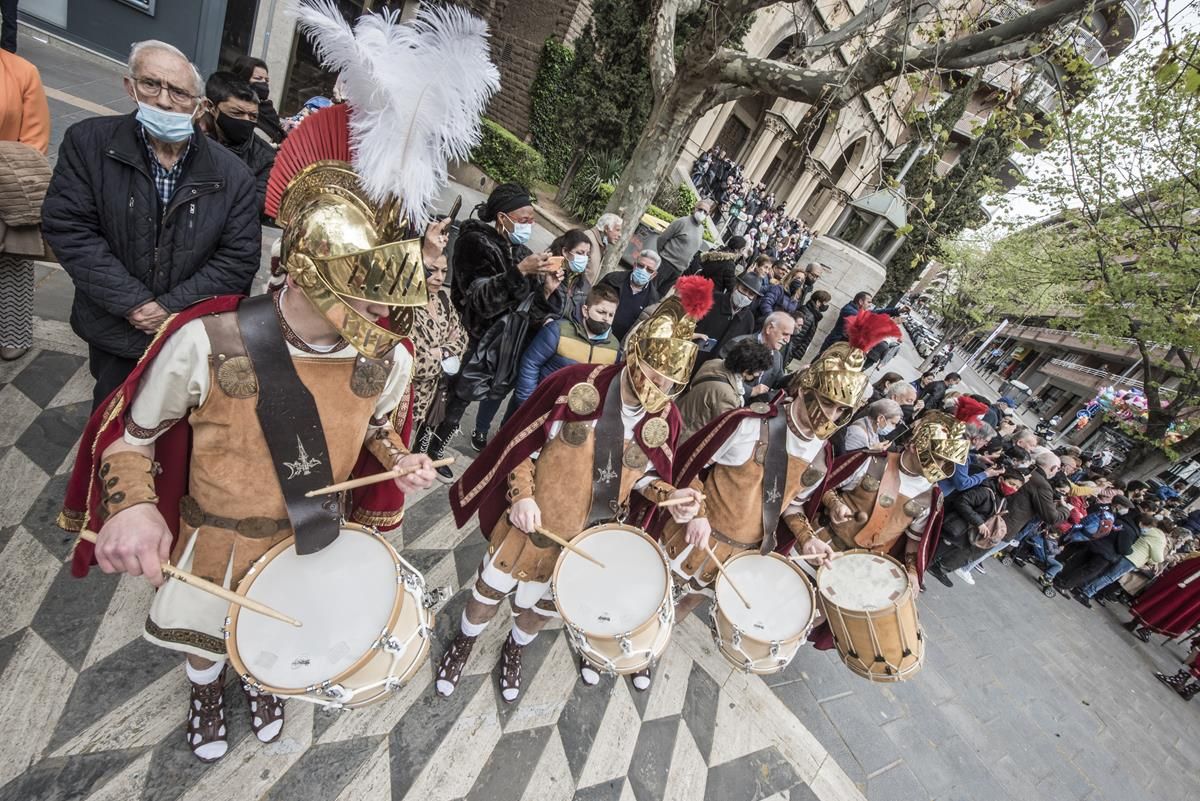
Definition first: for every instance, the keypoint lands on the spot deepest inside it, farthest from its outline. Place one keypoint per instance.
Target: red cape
(1167, 608)
(699, 449)
(483, 485)
(379, 505)
(844, 467)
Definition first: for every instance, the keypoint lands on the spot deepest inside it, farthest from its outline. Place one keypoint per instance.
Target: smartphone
(555, 263)
(898, 432)
(455, 209)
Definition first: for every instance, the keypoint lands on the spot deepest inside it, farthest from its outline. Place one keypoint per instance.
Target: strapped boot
(266, 714)
(451, 667)
(437, 450)
(510, 670)
(1189, 691)
(588, 673)
(205, 728)
(641, 679)
(1176, 681)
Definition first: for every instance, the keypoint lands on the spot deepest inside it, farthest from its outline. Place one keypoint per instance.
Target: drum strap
(291, 426)
(775, 465)
(609, 447)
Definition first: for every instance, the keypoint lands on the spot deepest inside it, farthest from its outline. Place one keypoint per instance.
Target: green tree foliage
(550, 108)
(1124, 260)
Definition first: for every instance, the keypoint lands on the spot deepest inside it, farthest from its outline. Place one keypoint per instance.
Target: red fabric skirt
(1167, 608)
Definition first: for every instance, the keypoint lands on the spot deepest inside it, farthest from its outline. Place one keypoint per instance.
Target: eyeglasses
(152, 88)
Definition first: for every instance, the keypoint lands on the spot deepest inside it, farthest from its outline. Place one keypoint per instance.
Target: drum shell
(753, 648)
(651, 636)
(896, 629)
(408, 615)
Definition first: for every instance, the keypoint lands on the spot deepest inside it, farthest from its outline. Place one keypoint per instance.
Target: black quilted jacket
(101, 217)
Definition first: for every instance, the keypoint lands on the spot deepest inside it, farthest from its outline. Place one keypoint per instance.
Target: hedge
(550, 99)
(506, 158)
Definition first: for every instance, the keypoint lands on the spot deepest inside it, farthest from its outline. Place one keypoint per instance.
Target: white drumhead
(862, 581)
(619, 597)
(780, 598)
(343, 594)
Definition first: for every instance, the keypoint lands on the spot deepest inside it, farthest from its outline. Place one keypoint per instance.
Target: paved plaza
(1021, 697)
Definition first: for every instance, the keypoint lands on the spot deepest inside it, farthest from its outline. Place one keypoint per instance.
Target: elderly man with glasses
(147, 215)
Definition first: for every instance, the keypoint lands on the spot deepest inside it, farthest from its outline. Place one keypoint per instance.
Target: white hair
(607, 221)
(141, 48)
(652, 255)
(1046, 459)
(776, 318)
(899, 389)
(885, 407)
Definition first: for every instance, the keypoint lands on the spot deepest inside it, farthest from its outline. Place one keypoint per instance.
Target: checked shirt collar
(164, 179)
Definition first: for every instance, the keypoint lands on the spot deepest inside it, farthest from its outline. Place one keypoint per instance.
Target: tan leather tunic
(563, 490)
(892, 510)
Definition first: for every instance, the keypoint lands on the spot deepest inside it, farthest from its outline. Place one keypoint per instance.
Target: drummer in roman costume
(585, 448)
(889, 502)
(282, 393)
(761, 468)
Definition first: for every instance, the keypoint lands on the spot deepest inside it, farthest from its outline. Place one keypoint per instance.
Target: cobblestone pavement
(1021, 697)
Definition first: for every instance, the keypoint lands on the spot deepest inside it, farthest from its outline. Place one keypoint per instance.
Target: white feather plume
(416, 92)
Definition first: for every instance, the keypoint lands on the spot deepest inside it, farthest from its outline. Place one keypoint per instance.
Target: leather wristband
(830, 499)
(801, 529)
(386, 445)
(520, 482)
(126, 479)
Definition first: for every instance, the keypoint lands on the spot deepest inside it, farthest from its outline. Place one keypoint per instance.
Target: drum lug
(775, 649)
(435, 597)
(626, 644)
(390, 644)
(413, 582)
(736, 639)
(335, 691)
(249, 681)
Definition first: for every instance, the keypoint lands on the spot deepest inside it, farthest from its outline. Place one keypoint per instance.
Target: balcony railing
(1074, 340)
(1089, 46)
(1092, 378)
(1006, 12)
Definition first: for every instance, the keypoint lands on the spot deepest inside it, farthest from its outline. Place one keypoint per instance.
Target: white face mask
(739, 300)
(699, 215)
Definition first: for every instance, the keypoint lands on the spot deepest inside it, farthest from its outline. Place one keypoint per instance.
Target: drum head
(344, 595)
(780, 598)
(862, 581)
(619, 597)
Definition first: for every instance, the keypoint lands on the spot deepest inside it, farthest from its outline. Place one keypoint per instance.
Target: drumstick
(551, 535)
(721, 570)
(679, 501)
(212, 589)
(375, 479)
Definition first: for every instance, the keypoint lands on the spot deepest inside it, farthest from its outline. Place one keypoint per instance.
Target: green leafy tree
(1125, 257)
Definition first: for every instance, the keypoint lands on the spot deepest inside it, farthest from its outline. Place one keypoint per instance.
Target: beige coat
(24, 176)
(713, 391)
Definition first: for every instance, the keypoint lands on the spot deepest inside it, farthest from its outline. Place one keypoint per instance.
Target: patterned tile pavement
(1022, 697)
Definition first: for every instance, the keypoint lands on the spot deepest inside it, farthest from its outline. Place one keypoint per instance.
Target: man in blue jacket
(564, 342)
(861, 302)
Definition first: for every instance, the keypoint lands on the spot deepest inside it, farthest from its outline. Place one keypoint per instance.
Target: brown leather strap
(719, 537)
(774, 480)
(291, 425)
(252, 527)
(889, 484)
(606, 458)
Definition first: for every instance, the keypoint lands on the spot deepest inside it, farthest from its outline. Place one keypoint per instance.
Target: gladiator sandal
(588, 673)
(266, 714)
(641, 679)
(510, 670)
(1176, 682)
(1189, 692)
(1143, 634)
(451, 667)
(206, 721)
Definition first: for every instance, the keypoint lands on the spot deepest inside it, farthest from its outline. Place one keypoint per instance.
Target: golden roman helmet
(339, 247)
(939, 442)
(660, 351)
(355, 184)
(835, 380)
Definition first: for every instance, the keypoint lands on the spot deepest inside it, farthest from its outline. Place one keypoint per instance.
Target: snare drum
(618, 617)
(870, 606)
(366, 624)
(763, 638)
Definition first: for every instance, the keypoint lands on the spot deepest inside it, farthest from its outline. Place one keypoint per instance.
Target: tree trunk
(564, 186)
(658, 148)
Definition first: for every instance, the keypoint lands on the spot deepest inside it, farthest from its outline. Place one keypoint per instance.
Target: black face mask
(261, 88)
(236, 131)
(595, 327)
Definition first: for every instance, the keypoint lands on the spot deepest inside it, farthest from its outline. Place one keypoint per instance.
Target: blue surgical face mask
(520, 232)
(578, 263)
(641, 276)
(165, 126)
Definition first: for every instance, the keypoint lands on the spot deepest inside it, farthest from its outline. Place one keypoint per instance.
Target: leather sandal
(451, 667)
(206, 734)
(510, 670)
(266, 710)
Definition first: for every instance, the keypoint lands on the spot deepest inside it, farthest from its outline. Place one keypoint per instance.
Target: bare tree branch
(872, 13)
(1013, 51)
(773, 77)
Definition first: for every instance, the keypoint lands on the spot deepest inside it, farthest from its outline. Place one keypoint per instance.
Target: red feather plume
(695, 294)
(867, 329)
(323, 136)
(967, 409)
